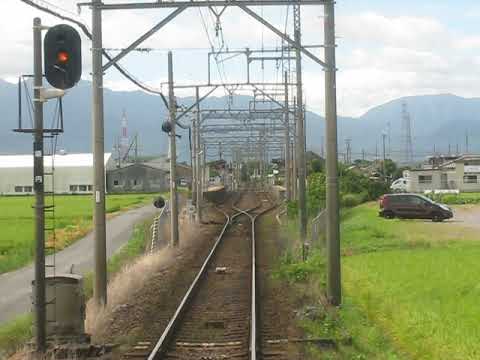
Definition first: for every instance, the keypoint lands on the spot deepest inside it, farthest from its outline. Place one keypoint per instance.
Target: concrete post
(173, 157)
(288, 185)
(302, 200)
(198, 184)
(334, 290)
(38, 181)
(100, 248)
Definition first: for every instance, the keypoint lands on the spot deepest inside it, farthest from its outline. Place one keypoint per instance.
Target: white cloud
(379, 57)
(402, 31)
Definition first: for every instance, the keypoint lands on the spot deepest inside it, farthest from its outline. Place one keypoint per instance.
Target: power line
(88, 34)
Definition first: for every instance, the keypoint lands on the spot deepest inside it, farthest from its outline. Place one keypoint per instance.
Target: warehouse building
(461, 174)
(150, 176)
(137, 177)
(73, 173)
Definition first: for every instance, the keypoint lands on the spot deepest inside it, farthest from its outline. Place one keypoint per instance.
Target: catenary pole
(294, 156)
(173, 157)
(204, 168)
(100, 248)
(198, 184)
(384, 136)
(333, 225)
(40, 303)
(300, 128)
(288, 186)
(193, 149)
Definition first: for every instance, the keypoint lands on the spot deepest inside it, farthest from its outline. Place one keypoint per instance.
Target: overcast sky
(386, 49)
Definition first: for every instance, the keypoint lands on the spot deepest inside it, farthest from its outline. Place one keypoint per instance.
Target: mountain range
(439, 122)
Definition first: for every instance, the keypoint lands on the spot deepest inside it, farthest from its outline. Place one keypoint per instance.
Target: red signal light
(62, 57)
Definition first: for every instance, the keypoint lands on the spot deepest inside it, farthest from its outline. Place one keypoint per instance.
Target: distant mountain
(437, 120)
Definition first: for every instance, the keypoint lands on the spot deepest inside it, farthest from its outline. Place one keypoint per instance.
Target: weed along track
(217, 318)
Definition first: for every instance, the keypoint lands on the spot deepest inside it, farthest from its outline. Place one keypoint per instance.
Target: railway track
(217, 317)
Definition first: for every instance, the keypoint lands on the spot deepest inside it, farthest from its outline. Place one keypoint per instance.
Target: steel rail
(162, 344)
(253, 302)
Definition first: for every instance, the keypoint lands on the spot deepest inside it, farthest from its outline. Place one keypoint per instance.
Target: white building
(73, 173)
(461, 174)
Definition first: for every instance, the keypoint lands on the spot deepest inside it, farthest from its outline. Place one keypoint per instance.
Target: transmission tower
(348, 146)
(407, 135)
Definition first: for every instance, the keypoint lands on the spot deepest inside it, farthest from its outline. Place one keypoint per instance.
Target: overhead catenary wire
(88, 34)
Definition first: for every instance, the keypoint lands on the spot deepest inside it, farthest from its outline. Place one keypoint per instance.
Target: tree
(316, 192)
(390, 167)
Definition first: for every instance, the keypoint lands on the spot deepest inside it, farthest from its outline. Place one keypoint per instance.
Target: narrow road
(15, 286)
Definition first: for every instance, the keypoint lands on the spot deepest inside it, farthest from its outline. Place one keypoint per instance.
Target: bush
(316, 192)
(292, 269)
(292, 209)
(375, 189)
(352, 200)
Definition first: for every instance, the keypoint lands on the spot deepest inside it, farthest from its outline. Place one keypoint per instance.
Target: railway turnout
(217, 317)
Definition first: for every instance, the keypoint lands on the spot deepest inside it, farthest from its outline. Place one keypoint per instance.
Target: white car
(399, 185)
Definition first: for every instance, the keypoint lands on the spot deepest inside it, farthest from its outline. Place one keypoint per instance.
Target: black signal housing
(62, 56)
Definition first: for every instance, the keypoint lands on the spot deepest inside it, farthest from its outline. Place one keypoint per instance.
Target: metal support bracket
(145, 36)
(278, 32)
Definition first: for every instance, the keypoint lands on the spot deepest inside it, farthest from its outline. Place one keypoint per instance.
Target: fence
(155, 228)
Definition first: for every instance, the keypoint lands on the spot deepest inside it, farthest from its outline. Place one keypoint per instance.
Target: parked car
(413, 206)
(399, 185)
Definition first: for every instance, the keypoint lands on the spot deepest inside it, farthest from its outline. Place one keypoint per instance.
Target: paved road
(15, 288)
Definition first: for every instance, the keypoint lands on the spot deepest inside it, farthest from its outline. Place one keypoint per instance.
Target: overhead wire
(88, 34)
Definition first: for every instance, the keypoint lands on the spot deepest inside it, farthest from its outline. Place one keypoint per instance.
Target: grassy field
(411, 289)
(457, 199)
(73, 220)
(16, 333)
(416, 281)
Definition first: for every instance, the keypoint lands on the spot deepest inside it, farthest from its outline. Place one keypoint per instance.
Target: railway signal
(159, 202)
(62, 56)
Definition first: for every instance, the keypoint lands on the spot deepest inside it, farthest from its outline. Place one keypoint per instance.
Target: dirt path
(15, 288)
(467, 215)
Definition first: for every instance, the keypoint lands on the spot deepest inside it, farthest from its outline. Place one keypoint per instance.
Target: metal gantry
(294, 129)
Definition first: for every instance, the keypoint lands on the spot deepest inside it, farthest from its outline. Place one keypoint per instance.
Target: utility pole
(322, 147)
(287, 142)
(348, 157)
(300, 128)
(40, 303)
(467, 145)
(384, 155)
(198, 183)
(334, 289)
(100, 248)
(204, 175)
(172, 109)
(294, 155)
(389, 133)
(193, 150)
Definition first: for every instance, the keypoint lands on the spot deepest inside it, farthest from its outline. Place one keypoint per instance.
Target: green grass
(356, 336)
(416, 281)
(410, 289)
(457, 199)
(17, 332)
(364, 231)
(73, 220)
(426, 300)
